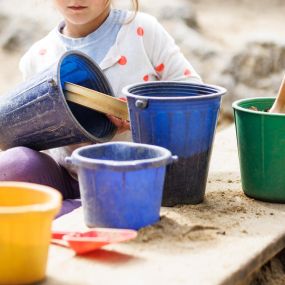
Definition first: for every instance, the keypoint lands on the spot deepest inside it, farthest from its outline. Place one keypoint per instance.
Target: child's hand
(122, 125)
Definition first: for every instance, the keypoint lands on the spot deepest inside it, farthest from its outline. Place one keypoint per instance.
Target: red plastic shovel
(83, 242)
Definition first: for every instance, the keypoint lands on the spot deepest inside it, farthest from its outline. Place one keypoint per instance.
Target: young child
(129, 46)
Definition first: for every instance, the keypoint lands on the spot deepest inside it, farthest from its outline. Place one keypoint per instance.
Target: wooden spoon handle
(96, 101)
(279, 104)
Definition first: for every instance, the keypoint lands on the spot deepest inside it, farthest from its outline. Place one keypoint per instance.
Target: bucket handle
(172, 159)
(68, 160)
(141, 103)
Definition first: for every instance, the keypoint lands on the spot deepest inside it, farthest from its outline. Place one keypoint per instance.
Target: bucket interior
(78, 69)
(172, 89)
(259, 103)
(120, 152)
(16, 196)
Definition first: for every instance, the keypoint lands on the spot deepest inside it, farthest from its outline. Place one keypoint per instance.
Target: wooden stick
(279, 104)
(96, 100)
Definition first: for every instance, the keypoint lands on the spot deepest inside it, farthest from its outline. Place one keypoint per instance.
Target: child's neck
(79, 31)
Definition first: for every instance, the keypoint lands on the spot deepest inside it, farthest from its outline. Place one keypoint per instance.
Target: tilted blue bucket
(181, 117)
(37, 115)
(121, 183)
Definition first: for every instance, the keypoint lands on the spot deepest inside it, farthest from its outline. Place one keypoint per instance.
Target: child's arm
(166, 57)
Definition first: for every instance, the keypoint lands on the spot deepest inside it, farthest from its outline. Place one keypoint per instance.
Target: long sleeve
(166, 57)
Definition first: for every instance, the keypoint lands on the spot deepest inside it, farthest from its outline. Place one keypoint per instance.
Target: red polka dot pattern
(122, 60)
(160, 67)
(187, 72)
(146, 78)
(140, 31)
(42, 51)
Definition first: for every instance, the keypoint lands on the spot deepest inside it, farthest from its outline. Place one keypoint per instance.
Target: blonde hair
(135, 5)
(135, 10)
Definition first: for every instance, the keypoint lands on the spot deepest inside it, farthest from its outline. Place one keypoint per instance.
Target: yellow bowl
(26, 214)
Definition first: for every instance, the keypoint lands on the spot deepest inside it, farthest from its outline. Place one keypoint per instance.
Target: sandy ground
(214, 242)
(10, 74)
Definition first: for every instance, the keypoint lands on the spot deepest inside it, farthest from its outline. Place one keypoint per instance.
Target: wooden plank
(96, 100)
(221, 241)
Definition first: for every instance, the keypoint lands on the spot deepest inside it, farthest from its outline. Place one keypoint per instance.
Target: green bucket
(261, 146)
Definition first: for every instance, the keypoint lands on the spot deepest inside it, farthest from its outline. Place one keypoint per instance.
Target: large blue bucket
(181, 117)
(37, 115)
(121, 183)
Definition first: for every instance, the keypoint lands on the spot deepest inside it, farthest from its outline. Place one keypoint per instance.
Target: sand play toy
(84, 242)
(26, 214)
(261, 145)
(181, 117)
(37, 115)
(121, 183)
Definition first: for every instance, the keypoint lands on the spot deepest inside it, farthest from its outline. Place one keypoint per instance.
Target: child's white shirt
(143, 51)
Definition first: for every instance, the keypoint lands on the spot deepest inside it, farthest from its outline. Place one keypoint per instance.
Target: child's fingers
(122, 125)
(125, 124)
(116, 121)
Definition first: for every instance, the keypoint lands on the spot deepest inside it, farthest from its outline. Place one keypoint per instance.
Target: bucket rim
(220, 90)
(235, 106)
(99, 74)
(52, 205)
(132, 164)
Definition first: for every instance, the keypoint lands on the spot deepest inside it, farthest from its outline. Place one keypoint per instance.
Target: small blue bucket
(37, 115)
(121, 183)
(181, 117)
